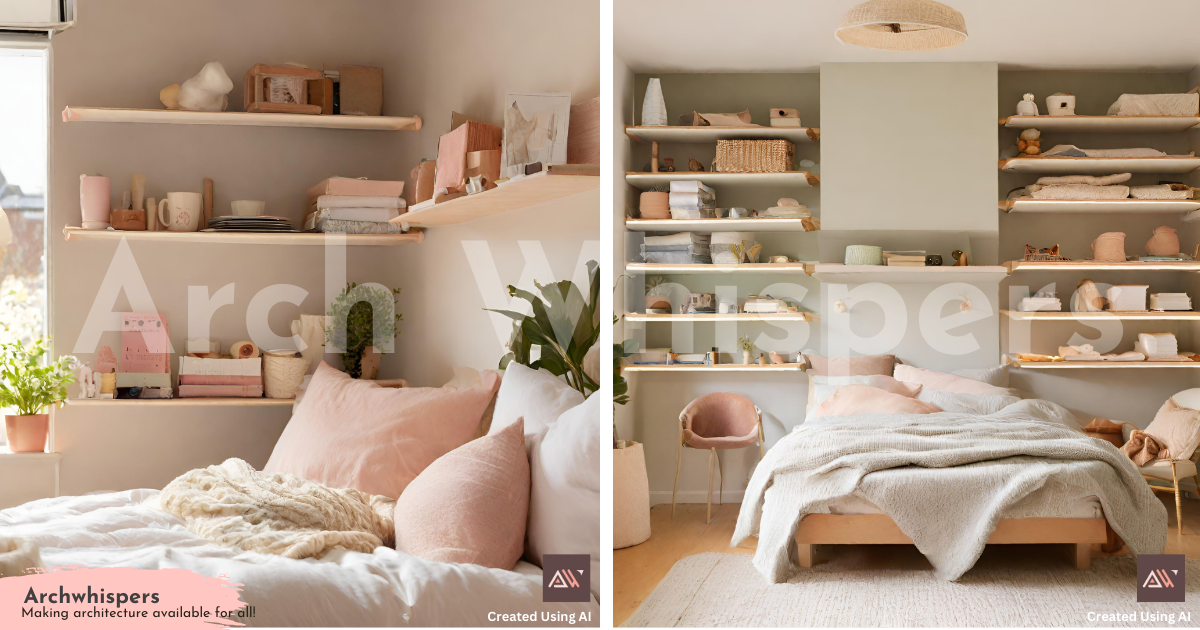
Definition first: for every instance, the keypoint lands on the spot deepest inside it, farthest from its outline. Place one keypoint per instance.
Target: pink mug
(95, 193)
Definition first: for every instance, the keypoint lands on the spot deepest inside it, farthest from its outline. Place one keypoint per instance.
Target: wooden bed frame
(880, 529)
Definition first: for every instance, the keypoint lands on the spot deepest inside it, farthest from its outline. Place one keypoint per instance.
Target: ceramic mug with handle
(181, 211)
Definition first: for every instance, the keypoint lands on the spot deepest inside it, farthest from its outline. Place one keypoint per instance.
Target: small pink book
(213, 379)
(356, 188)
(220, 391)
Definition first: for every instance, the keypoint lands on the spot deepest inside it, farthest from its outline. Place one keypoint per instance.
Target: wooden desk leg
(1083, 556)
(806, 555)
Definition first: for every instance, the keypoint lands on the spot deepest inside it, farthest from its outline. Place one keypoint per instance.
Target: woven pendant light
(903, 25)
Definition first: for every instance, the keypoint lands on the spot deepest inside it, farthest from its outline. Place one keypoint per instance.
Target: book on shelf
(904, 256)
(220, 391)
(347, 186)
(215, 379)
(143, 379)
(220, 367)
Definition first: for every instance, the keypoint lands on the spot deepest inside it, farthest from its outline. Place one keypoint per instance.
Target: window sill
(8, 456)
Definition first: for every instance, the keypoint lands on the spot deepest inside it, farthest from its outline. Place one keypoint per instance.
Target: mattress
(1080, 507)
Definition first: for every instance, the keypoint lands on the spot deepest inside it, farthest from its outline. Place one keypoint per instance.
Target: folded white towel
(691, 186)
(351, 201)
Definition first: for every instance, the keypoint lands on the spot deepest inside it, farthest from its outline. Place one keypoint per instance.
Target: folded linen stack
(1036, 303)
(1080, 187)
(1086, 352)
(1127, 297)
(1160, 191)
(764, 304)
(681, 248)
(222, 378)
(355, 206)
(1158, 347)
(691, 196)
(1170, 302)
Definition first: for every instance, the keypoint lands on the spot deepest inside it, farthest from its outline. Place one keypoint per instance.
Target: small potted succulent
(29, 383)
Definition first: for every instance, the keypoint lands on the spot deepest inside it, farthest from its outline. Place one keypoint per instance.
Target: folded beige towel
(1090, 180)
(1077, 191)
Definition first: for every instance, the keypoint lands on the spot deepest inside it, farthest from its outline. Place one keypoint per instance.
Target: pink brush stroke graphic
(177, 590)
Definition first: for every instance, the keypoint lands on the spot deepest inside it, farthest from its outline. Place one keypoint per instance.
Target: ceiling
(797, 35)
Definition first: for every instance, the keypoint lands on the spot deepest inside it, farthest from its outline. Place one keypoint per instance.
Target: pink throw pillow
(947, 382)
(470, 506)
(352, 433)
(853, 400)
(851, 366)
(1178, 428)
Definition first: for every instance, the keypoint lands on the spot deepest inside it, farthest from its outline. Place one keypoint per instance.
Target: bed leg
(1083, 556)
(805, 555)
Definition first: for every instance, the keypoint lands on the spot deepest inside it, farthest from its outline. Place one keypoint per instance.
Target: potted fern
(355, 319)
(29, 383)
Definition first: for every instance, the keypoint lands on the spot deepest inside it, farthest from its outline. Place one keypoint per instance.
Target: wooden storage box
(257, 90)
(754, 156)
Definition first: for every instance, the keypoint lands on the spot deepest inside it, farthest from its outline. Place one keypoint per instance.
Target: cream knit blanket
(945, 479)
(236, 506)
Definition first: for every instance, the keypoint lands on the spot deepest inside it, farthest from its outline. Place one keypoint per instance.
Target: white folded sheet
(352, 201)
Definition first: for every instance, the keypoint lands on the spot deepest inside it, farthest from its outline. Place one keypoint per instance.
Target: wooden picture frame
(255, 96)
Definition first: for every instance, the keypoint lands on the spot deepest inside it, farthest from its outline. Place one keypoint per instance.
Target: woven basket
(754, 156)
(282, 373)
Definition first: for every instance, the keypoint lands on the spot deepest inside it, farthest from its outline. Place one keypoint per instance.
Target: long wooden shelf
(242, 238)
(1099, 166)
(685, 269)
(181, 117)
(1101, 206)
(699, 135)
(556, 182)
(1101, 315)
(1099, 365)
(1103, 124)
(182, 402)
(718, 225)
(723, 367)
(854, 274)
(797, 179)
(1092, 265)
(721, 317)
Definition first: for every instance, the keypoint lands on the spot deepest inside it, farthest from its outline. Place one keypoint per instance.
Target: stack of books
(691, 200)
(1170, 302)
(904, 259)
(355, 206)
(220, 378)
(680, 248)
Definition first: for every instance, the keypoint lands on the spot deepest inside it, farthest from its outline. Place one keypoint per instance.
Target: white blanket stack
(1158, 347)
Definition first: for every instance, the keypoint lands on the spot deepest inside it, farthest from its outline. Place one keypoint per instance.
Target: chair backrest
(1188, 398)
(720, 414)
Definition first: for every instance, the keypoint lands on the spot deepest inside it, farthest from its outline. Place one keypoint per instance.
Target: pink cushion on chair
(470, 505)
(853, 400)
(1178, 428)
(720, 420)
(352, 433)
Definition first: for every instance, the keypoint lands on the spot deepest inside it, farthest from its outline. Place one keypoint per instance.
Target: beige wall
(124, 51)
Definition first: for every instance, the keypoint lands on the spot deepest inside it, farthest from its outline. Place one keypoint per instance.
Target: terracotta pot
(27, 434)
(655, 205)
(1109, 247)
(1165, 242)
(631, 495)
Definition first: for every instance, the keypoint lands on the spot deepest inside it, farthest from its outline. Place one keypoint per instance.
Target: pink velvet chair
(719, 420)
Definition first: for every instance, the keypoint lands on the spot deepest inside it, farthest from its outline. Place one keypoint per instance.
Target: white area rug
(721, 589)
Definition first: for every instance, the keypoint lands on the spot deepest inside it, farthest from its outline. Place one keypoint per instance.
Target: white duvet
(342, 588)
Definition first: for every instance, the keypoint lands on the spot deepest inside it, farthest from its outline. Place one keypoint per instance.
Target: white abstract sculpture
(208, 91)
(89, 383)
(654, 108)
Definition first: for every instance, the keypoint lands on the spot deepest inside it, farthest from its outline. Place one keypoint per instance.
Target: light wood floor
(638, 569)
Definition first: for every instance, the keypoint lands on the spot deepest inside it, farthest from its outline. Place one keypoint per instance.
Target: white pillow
(958, 402)
(536, 395)
(997, 376)
(564, 495)
(1188, 398)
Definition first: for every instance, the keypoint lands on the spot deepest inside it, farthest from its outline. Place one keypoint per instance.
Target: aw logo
(1160, 578)
(566, 578)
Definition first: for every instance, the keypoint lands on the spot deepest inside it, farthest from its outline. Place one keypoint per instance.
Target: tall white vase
(654, 108)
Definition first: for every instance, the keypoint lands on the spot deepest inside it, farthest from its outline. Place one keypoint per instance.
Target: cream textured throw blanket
(945, 479)
(237, 506)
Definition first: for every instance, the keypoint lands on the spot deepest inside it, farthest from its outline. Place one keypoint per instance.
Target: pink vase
(1109, 247)
(1165, 242)
(94, 199)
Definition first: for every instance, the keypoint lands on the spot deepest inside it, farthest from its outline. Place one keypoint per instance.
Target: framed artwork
(535, 130)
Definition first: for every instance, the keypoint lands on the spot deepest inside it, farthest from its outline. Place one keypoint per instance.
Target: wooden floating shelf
(242, 238)
(1101, 315)
(556, 182)
(856, 274)
(1103, 124)
(181, 117)
(798, 179)
(724, 367)
(1099, 166)
(721, 317)
(699, 135)
(1099, 365)
(1076, 206)
(718, 225)
(181, 402)
(1091, 265)
(683, 269)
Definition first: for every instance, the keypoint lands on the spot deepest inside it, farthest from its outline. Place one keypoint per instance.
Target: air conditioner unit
(42, 17)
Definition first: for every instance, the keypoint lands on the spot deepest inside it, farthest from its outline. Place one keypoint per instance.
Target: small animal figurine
(668, 165)
(208, 91)
(1030, 142)
(695, 166)
(965, 305)
(1027, 106)
(776, 359)
(960, 258)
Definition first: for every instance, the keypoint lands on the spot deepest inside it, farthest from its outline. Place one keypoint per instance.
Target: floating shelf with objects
(556, 182)
(700, 135)
(1077, 206)
(724, 367)
(1092, 265)
(854, 274)
(1067, 316)
(800, 179)
(1103, 124)
(125, 403)
(718, 225)
(791, 268)
(247, 119)
(242, 238)
(1100, 166)
(1098, 365)
(721, 317)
